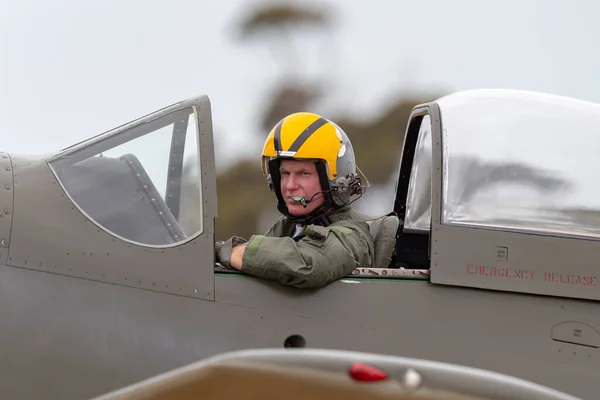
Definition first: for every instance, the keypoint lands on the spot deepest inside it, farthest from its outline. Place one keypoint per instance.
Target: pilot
(308, 161)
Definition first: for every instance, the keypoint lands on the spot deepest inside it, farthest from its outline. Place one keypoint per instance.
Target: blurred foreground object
(267, 374)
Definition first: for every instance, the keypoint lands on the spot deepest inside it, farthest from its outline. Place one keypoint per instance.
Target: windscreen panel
(145, 189)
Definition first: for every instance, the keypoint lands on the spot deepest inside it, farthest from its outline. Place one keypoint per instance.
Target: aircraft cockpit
(491, 167)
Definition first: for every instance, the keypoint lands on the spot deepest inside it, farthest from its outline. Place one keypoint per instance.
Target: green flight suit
(323, 255)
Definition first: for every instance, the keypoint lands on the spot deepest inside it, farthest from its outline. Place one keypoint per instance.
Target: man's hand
(228, 250)
(237, 253)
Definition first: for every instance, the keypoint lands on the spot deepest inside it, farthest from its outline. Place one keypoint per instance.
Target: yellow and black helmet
(308, 136)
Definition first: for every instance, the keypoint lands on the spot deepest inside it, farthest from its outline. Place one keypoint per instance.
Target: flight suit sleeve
(323, 255)
(223, 249)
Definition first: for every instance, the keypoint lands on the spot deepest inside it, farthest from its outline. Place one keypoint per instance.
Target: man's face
(300, 178)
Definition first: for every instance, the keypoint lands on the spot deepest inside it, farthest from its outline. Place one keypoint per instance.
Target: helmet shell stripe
(277, 138)
(306, 134)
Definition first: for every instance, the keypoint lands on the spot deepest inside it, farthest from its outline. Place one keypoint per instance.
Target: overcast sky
(72, 69)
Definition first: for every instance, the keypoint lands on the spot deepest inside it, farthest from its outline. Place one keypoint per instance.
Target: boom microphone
(303, 200)
(300, 200)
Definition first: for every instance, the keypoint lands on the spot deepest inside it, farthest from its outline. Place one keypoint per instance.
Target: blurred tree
(277, 23)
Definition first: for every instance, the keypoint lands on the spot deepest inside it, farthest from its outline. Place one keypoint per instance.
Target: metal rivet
(7, 168)
(7, 187)
(411, 379)
(6, 211)
(3, 243)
